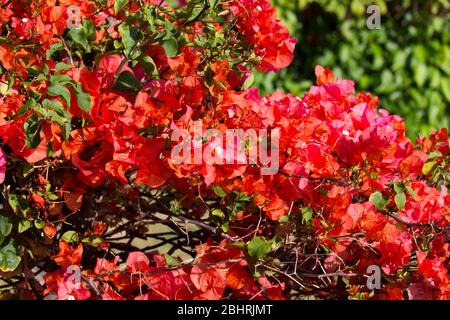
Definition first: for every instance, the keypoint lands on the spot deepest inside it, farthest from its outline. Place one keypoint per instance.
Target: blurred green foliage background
(406, 62)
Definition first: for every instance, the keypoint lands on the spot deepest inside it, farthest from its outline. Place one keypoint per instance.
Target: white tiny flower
(345, 132)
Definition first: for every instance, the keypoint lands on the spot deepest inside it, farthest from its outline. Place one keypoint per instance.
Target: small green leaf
(218, 213)
(54, 48)
(55, 110)
(61, 66)
(283, 219)
(27, 169)
(79, 37)
(398, 187)
(306, 214)
(61, 79)
(52, 197)
(420, 74)
(58, 90)
(70, 236)
(258, 247)
(30, 104)
(83, 98)
(400, 200)
(5, 227)
(411, 192)
(171, 261)
(248, 82)
(434, 154)
(119, 4)
(240, 196)
(88, 29)
(195, 9)
(377, 199)
(429, 167)
(239, 244)
(130, 38)
(225, 227)
(149, 66)
(213, 3)
(3, 89)
(24, 225)
(219, 191)
(14, 202)
(170, 45)
(32, 128)
(127, 82)
(96, 241)
(39, 224)
(9, 257)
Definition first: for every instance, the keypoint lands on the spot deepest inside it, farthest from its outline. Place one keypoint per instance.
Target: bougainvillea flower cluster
(94, 206)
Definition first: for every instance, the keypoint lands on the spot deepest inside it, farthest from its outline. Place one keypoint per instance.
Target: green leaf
(429, 167)
(258, 247)
(400, 200)
(241, 196)
(32, 128)
(54, 48)
(27, 169)
(149, 66)
(15, 202)
(70, 236)
(195, 8)
(171, 261)
(88, 29)
(219, 191)
(239, 244)
(58, 90)
(61, 66)
(213, 3)
(96, 241)
(127, 82)
(39, 224)
(411, 192)
(377, 199)
(283, 219)
(170, 45)
(61, 79)
(79, 37)
(24, 225)
(445, 88)
(434, 154)
(306, 214)
(248, 82)
(130, 38)
(3, 89)
(56, 106)
(83, 98)
(218, 213)
(398, 188)
(55, 110)
(420, 74)
(52, 197)
(5, 227)
(30, 104)
(119, 4)
(9, 257)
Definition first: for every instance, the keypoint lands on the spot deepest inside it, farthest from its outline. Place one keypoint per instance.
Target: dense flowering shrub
(92, 95)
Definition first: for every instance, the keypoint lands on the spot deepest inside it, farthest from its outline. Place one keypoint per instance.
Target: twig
(91, 284)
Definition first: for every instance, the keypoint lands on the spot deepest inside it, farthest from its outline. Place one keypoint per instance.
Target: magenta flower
(2, 166)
